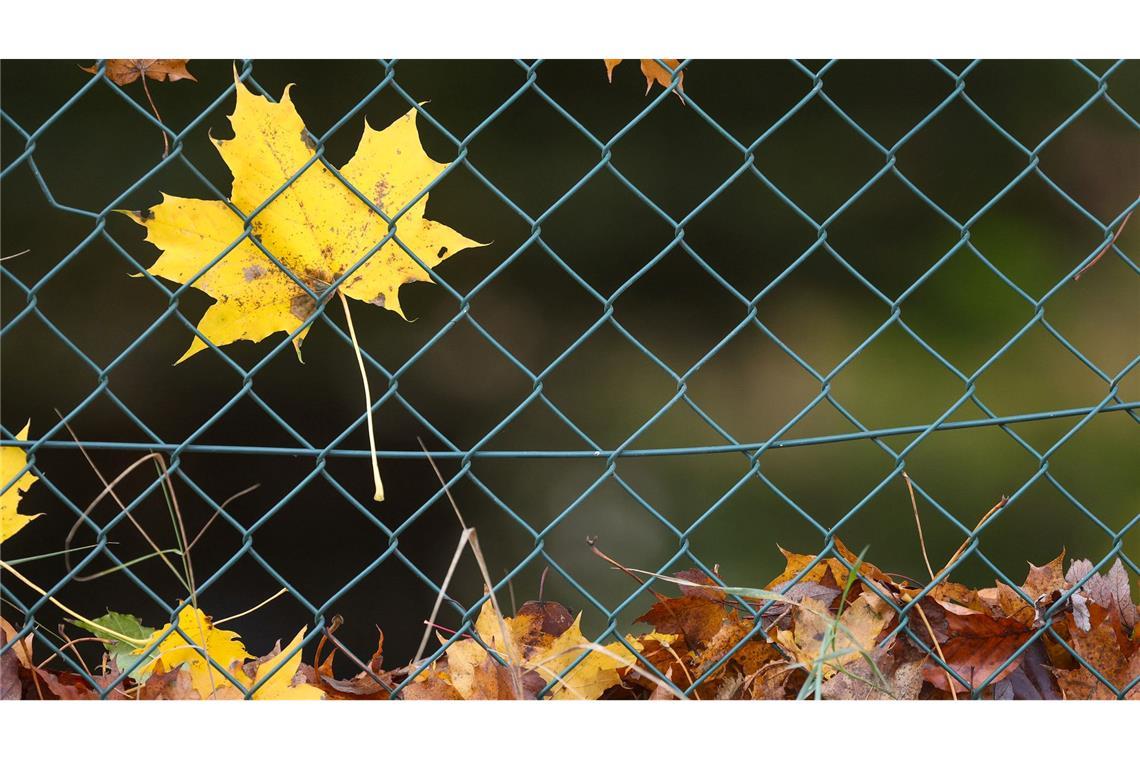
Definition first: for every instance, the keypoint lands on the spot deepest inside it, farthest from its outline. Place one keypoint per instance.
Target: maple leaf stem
(379, 495)
(157, 115)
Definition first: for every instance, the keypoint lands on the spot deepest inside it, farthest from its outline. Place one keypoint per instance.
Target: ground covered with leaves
(833, 627)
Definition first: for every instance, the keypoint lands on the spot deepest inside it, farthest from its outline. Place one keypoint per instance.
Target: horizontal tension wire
(202, 448)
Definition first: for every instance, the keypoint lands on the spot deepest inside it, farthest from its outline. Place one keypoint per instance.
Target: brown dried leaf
(126, 70)
(974, 644)
(899, 665)
(1110, 590)
(795, 564)
(11, 688)
(653, 72)
(431, 685)
(696, 619)
(1046, 579)
(23, 649)
(1109, 651)
(163, 684)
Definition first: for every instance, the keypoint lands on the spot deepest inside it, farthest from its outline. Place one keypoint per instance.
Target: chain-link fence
(969, 409)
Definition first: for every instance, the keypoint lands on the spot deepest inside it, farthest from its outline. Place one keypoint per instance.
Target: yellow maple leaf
(317, 227)
(590, 677)
(281, 684)
(186, 648)
(12, 460)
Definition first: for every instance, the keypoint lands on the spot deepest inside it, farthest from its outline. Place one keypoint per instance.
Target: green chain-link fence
(969, 410)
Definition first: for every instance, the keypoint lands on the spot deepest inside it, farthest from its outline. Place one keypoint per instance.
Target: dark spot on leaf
(145, 215)
(378, 300)
(302, 306)
(380, 191)
(443, 251)
(306, 138)
(253, 272)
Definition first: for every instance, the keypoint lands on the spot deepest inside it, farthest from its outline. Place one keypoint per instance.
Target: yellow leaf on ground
(316, 226)
(591, 676)
(12, 460)
(284, 683)
(463, 659)
(186, 648)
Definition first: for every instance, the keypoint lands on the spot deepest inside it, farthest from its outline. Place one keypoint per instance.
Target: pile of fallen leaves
(834, 627)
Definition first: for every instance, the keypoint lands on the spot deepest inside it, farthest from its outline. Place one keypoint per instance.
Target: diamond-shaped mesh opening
(959, 160)
(703, 326)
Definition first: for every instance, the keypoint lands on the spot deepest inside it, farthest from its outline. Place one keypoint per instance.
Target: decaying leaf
(973, 643)
(653, 72)
(23, 648)
(1106, 649)
(815, 638)
(172, 685)
(10, 686)
(821, 640)
(123, 71)
(898, 676)
(431, 686)
(12, 460)
(537, 655)
(1110, 590)
(797, 563)
(126, 70)
(316, 226)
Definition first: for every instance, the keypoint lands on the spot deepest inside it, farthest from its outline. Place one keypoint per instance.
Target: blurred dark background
(319, 542)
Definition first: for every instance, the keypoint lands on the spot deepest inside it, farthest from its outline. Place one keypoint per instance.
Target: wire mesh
(969, 402)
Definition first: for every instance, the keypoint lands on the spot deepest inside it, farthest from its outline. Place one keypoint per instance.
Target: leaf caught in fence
(126, 70)
(12, 460)
(123, 71)
(316, 226)
(654, 72)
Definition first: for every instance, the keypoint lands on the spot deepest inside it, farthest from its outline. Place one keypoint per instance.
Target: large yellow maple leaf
(317, 227)
(198, 635)
(12, 460)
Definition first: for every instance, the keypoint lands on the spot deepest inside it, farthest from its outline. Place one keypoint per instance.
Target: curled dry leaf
(1110, 590)
(126, 70)
(654, 72)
